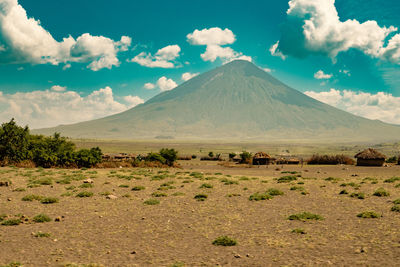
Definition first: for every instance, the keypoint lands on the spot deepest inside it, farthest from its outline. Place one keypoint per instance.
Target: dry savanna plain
(201, 214)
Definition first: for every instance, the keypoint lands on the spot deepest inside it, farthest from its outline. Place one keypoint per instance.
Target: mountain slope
(235, 101)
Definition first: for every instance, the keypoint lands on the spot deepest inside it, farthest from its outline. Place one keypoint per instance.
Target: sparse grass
(19, 189)
(105, 193)
(299, 231)
(395, 208)
(12, 264)
(11, 222)
(396, 201)
(178, 194)
(200, 197)
(299, 188)
(392, 180)
(159, 194)
(43, 181)
(233, 195)
(206, 186)
(138, 188)
(152, 201)
(260, 196)
(228, 182)
(274, 192)
(381, 192)
(41, 218)
(123, 186)
(358, 195)
(224, 241)
(177, 264)
(41, 234)
(86, 185)
(84, 194)
(49, 200)
(31, 198)
(332, 179)
(343, 192)
(305, 216)
(368, 215)
(287, 179)
(2, 217)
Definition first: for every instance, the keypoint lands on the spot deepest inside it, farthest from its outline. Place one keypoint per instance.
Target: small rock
(111, 197)
(4, 183)
(143, 218)
(248, 255)
(9, 199)
(133, 252)
(57, 219)
(88, 181)
(55, 240)
(237, 256)
(100, 216)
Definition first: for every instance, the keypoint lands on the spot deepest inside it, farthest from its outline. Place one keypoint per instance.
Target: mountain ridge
(235, 101)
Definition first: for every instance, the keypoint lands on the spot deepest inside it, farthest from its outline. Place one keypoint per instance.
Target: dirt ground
(180, 230)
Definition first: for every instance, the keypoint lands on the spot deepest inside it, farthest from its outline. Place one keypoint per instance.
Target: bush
(138, 188)
(357, 195)
(31, 198)
(155, 157)
(304, 216)
(274, 192)
(245, 157)
(40, 218)
(200, 197)
(224, 241)
(392, 180)
(84, 194)
(88, 157)
(392, 160)
(49, 200)
(330, 160)
(368, 214)
(381, 192)
(206, 186)
(11, 222)
(395, 208)
(287, 179)
(260, 196)
(151, 201)
(170, 155)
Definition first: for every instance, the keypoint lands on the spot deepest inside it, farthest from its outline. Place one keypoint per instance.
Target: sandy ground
(180, 230)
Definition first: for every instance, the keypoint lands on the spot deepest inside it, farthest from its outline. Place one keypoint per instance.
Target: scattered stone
(88, 181)
(237, 256)
(4, 183)
(57, 219)
(111, 197)
(133, 252)
(9, 199)
(248, 255)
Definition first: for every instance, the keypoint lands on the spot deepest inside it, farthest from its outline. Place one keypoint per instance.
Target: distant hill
(236, 101)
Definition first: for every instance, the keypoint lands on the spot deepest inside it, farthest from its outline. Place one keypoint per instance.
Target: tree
(232, 155)
(170, 155)
(245, 157)
(211, 154)
(14, 142)
(88, 157)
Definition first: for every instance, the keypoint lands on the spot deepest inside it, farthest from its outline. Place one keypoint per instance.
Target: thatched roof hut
(370, 157)
(261, 158)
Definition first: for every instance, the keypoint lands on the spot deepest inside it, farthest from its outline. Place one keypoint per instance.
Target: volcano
(237, 101)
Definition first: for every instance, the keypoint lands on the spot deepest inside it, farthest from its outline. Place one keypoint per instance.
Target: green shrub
(151, 201)
(11, 222)
(299, 231)
(395, 208)
(49, 200)
(274, 192)
(123, 186)
(260, 196)
(138, 188)
(300, 188)
(40, 218)
(245, 157)
(392, 180)
(159, 194)
(200, 197)
(358, 195)
(381, 192)
(170, 155)
(84, 194)
(31, 198)
(368, 214)
(305, 216)
(343, 192)
(224, 241)
(206, 186)
(287, 179)
(41, 234)
(396, 201)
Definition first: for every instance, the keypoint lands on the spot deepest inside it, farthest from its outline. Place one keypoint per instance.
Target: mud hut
(370, 157)
(261, 158)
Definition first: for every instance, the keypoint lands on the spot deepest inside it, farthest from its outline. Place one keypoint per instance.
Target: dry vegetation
(202, 214)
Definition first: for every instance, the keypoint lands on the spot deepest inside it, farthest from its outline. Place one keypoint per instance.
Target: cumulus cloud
(24, 40)
(320, 75)
(187, 76)
(164, 58)
(214, 39)
(133, 100)
(166, 84)
(163, 83)
(380, 106)
(58, 88)
(149, 86)
(314, 27)
(267, 70)
(50, 108)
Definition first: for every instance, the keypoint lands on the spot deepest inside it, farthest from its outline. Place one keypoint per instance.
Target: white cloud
(164, 58)
(149, 86)
(58, 88)
(50, 108)
(314, 27)
(275, 52)
(187, 76)
(320, 75)
(267, 70)
(345, 72)
(166, 84)
(133, 100)
(213, 39)
(380, 106)
(24, 40)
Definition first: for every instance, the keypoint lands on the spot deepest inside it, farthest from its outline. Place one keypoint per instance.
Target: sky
(65, 61)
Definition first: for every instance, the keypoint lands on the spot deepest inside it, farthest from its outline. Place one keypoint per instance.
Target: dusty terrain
(179, 231)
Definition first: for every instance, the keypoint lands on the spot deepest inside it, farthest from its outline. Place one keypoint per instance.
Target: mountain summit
(235, 101)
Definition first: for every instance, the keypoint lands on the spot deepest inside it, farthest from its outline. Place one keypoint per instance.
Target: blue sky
(96, 70)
